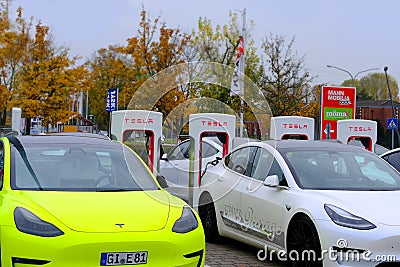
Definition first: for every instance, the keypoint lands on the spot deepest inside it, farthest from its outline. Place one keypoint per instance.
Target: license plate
(123, 258)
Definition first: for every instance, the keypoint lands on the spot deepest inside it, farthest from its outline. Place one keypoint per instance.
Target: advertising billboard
(112, 100)
(337, 103)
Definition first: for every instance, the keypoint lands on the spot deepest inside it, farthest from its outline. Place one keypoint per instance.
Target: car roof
(57, 139)
(212, 140)
(305, 144)
(395, 150)
(92, 135)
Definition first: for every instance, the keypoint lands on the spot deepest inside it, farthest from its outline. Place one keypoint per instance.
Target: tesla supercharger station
(202, 125)
(292, 127)
(365, 131)
(143, 127)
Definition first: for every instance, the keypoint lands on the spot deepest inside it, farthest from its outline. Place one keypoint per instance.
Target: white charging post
(202, 125)
(140, 126)
(292, 127)
(16, 119)
(365, 131)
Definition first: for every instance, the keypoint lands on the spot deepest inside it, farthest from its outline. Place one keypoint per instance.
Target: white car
(393, 157)
(313, 203)
(174, 166)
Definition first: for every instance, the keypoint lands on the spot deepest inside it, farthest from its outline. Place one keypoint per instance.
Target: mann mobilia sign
(337, 103)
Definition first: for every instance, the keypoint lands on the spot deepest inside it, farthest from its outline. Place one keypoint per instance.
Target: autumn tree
(155, 48)
(285, 80)
(152, 49)
(309, 106)
(109, 68)
(219, 44)
(48, 81)
(374, 87)
(15, 40)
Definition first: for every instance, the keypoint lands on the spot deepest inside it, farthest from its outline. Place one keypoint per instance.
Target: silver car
(174, 166)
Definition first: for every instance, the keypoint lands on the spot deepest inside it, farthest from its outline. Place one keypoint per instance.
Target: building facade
(379, 111)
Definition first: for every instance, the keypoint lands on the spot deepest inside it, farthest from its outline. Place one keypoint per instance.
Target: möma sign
(337, 103)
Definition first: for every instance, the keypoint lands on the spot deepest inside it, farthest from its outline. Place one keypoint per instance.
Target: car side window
(277, 170)
(180, 152)
(241, 161)
(207, 150)
(1, 164)
(262, 164)
(265, 165)
(394, 160)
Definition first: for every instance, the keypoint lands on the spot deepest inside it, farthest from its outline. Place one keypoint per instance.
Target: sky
(354, 35)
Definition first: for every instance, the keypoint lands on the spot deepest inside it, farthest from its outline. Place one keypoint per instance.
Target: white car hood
(375, 206)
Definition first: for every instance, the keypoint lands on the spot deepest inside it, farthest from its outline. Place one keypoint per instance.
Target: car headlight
(29, 223)
(187, 222)
(346, 219)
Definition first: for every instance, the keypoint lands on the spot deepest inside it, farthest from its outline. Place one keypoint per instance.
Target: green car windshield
(78, 167)
(341, 170)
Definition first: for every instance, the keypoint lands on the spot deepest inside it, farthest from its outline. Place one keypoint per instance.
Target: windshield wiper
(117, 189)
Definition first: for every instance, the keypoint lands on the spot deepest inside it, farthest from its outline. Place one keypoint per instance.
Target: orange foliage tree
(109, 69)
(14, 41)
(36, 76)
(155, 48)
(48, 81)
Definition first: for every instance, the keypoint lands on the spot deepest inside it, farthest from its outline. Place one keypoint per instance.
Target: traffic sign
(392, 124)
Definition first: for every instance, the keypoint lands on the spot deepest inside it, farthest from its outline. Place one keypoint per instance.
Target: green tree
(285, 80)
(220, 44)
(374, 86)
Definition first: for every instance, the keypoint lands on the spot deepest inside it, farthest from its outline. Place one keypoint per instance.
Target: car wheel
(208, 219)
(303, 245)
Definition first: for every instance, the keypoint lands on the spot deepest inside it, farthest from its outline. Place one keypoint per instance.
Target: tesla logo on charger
(138, 121)
(360, 129)
(214, 123)
(295, 126)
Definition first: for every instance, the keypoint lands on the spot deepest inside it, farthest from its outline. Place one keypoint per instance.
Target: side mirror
(271, 181)
(162, 181)
(164, 157)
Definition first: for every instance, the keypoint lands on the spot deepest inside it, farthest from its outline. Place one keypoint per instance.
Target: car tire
(302, 236)
(208, 219)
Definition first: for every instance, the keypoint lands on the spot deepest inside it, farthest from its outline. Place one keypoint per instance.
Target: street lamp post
(391, 102)
(353, 78)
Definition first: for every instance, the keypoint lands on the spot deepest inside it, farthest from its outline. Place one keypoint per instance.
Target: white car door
(228, 188)
(263, 204)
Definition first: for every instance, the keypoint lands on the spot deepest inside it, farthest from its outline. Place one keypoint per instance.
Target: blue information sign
(112, 100)
(392, 124)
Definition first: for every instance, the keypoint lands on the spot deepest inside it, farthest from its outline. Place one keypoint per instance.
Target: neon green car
(83, 201)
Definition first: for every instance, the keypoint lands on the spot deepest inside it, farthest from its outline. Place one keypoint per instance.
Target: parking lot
(231, 253)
